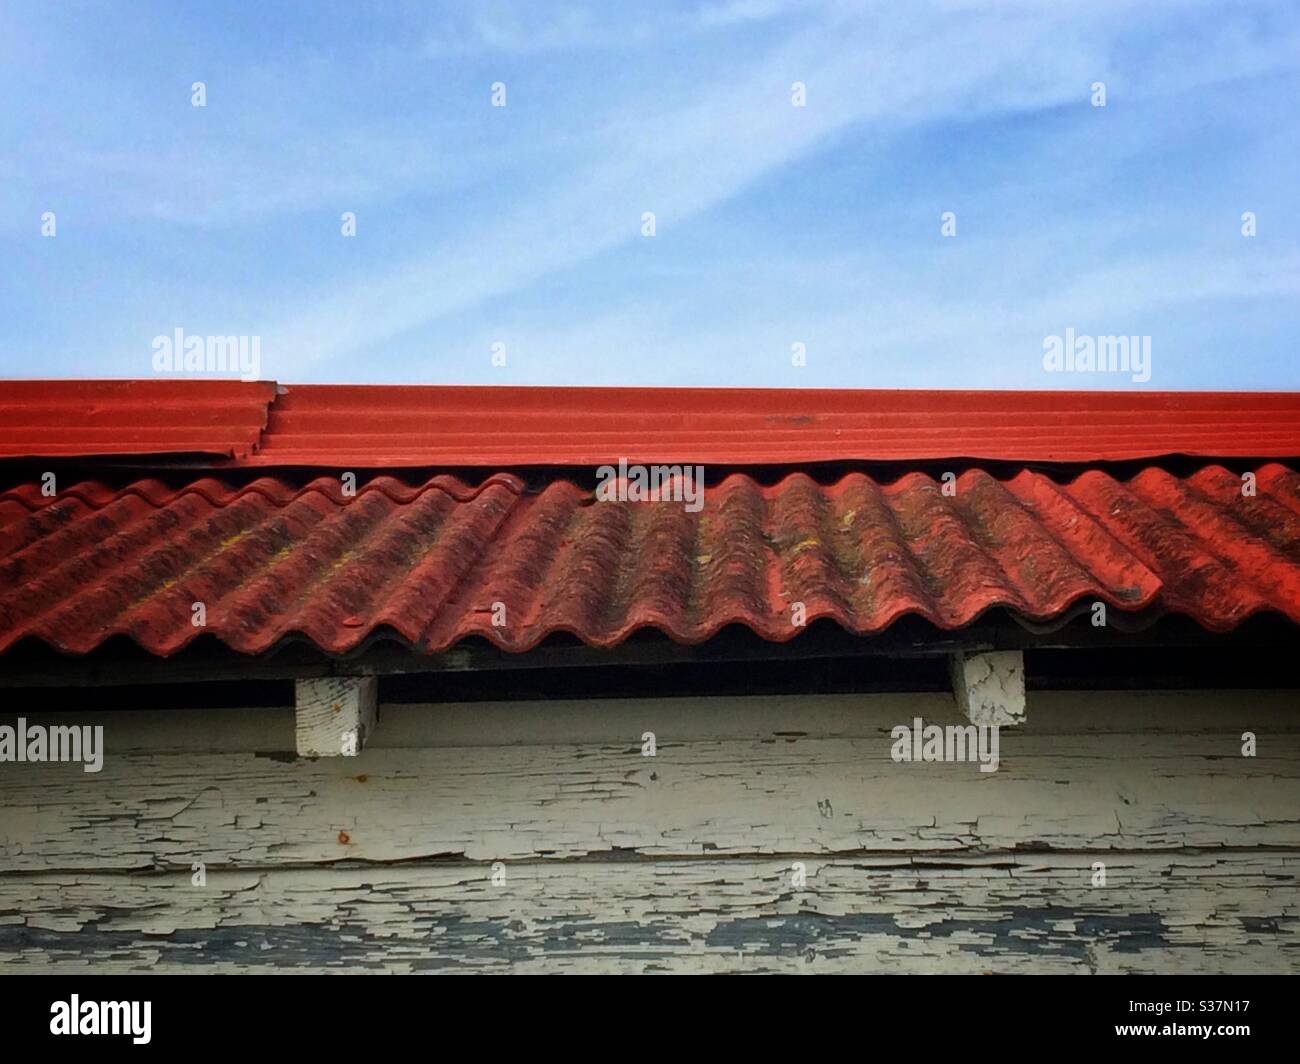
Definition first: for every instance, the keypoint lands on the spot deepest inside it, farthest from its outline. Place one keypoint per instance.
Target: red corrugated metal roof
(276, 557)
(378, 426)
(84, 418)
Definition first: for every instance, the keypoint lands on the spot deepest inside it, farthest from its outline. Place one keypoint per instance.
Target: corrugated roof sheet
(275, 558)
(378, 426)
(138, 417)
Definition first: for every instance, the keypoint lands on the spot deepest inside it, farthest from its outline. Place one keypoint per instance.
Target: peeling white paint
(334, 715)
(616, 862)
(990, 687)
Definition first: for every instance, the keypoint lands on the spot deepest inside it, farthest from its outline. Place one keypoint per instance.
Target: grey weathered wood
(779, 793)
(335, 715)
(1204, 914)
(990, 687)
(618, 862)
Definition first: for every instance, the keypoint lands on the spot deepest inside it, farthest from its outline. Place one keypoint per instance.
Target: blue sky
(774, 224)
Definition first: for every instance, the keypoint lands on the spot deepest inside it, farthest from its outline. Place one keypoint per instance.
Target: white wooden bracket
(335, 715)
(990, 687)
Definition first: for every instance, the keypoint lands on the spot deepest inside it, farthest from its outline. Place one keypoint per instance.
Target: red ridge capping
(139, 417)
(369, 426)
(433, 565)
(377, 426)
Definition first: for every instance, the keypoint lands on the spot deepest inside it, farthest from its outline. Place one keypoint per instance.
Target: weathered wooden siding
(683, 861)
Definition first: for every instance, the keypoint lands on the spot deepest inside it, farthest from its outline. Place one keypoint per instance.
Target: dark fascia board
(120, 662)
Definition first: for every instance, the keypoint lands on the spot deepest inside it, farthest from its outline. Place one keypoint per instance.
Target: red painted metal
(280, 557)
(376, 426)
(380, 426)
(137, 417)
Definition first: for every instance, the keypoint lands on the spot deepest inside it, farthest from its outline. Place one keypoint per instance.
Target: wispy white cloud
(510, 28)
(708, 141)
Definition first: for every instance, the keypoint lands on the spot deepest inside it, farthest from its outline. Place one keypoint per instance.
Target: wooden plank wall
(538, 837)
